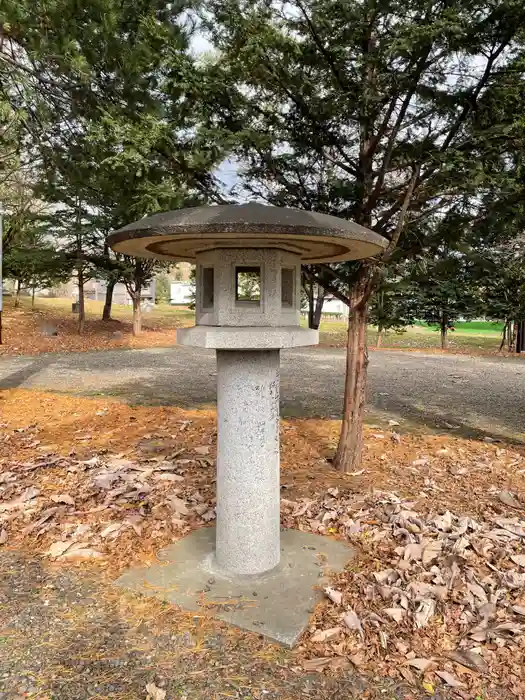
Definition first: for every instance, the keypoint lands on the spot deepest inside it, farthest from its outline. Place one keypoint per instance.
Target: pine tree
(365, 111)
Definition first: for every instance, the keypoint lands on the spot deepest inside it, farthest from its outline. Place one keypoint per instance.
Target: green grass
(483, 328)
(474, 336)
(162, 314)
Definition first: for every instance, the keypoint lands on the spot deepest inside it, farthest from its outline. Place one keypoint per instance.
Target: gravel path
(471, 395)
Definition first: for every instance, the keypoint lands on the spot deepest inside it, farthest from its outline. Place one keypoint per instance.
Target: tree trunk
(379, 339)
(137, 314)
(106, 313)
(309, 289)
(80, 271)
(509, 334)
(317, 311)
(348, 455)
(33, 298)
(512, 346)
(17, 293)
(444, 331)
(520, 336)
(504, 336)
(81, 304)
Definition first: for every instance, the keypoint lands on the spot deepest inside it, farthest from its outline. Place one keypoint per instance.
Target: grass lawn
(24, 330)
(161, 315)
(471, 336)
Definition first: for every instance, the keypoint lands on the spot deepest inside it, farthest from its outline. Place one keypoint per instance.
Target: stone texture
(216, 337)
(226, 310)
(184, 233)
(277, 604)
(247, 460)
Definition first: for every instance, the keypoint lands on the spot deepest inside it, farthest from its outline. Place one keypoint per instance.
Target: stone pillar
(248, 492)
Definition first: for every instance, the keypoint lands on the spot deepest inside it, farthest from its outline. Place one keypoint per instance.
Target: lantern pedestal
(248, 492)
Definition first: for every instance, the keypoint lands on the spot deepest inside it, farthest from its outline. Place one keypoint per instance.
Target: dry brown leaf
(339, 663)
(154, 692)
(432, 551)
(386, 576)
(63, 498)
(469, 659)
(58, 548)
(353, 622)
(325, 635)
(317, 664)
(519, 559)
(168, 477)
(209, 515)
(112, 528)
(420, 462)
(506, 628)
(511, 526)
(424, 612)
(117, 464)
(420, 663)
(3, 536)
(46, 515)
(444, 522)
(478, 591)
(397, 614)
(513, 580)
(79, 552)
(518, 609)
(105, 480)
(508, 499)
(178, 524)
(335, 596)
(413, 552)
(357, 659)
(178, 506)
(202, 450)
(407, 675)
(450, 679)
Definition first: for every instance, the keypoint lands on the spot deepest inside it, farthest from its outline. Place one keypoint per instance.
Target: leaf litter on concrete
(435, 595)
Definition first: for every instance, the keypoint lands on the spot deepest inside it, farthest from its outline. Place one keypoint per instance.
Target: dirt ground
(53, 328)
(94, 641)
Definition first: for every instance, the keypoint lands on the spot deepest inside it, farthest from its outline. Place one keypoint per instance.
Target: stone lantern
(248, 301)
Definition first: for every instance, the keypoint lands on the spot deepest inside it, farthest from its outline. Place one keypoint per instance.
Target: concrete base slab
(277, 604)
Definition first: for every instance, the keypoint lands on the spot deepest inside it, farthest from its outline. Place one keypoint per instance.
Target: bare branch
(387, 254)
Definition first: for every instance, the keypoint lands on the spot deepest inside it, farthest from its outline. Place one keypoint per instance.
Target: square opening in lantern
(287, 287)
(208, 280)
(248, 285)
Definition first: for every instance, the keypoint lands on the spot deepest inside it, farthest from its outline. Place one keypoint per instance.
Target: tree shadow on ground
(308, 404)
(311, 387)
(433, 419)
(29, 368)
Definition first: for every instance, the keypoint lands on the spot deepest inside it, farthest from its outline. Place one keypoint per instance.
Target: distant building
(95, 290)
(335, 307)
(181, 293)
